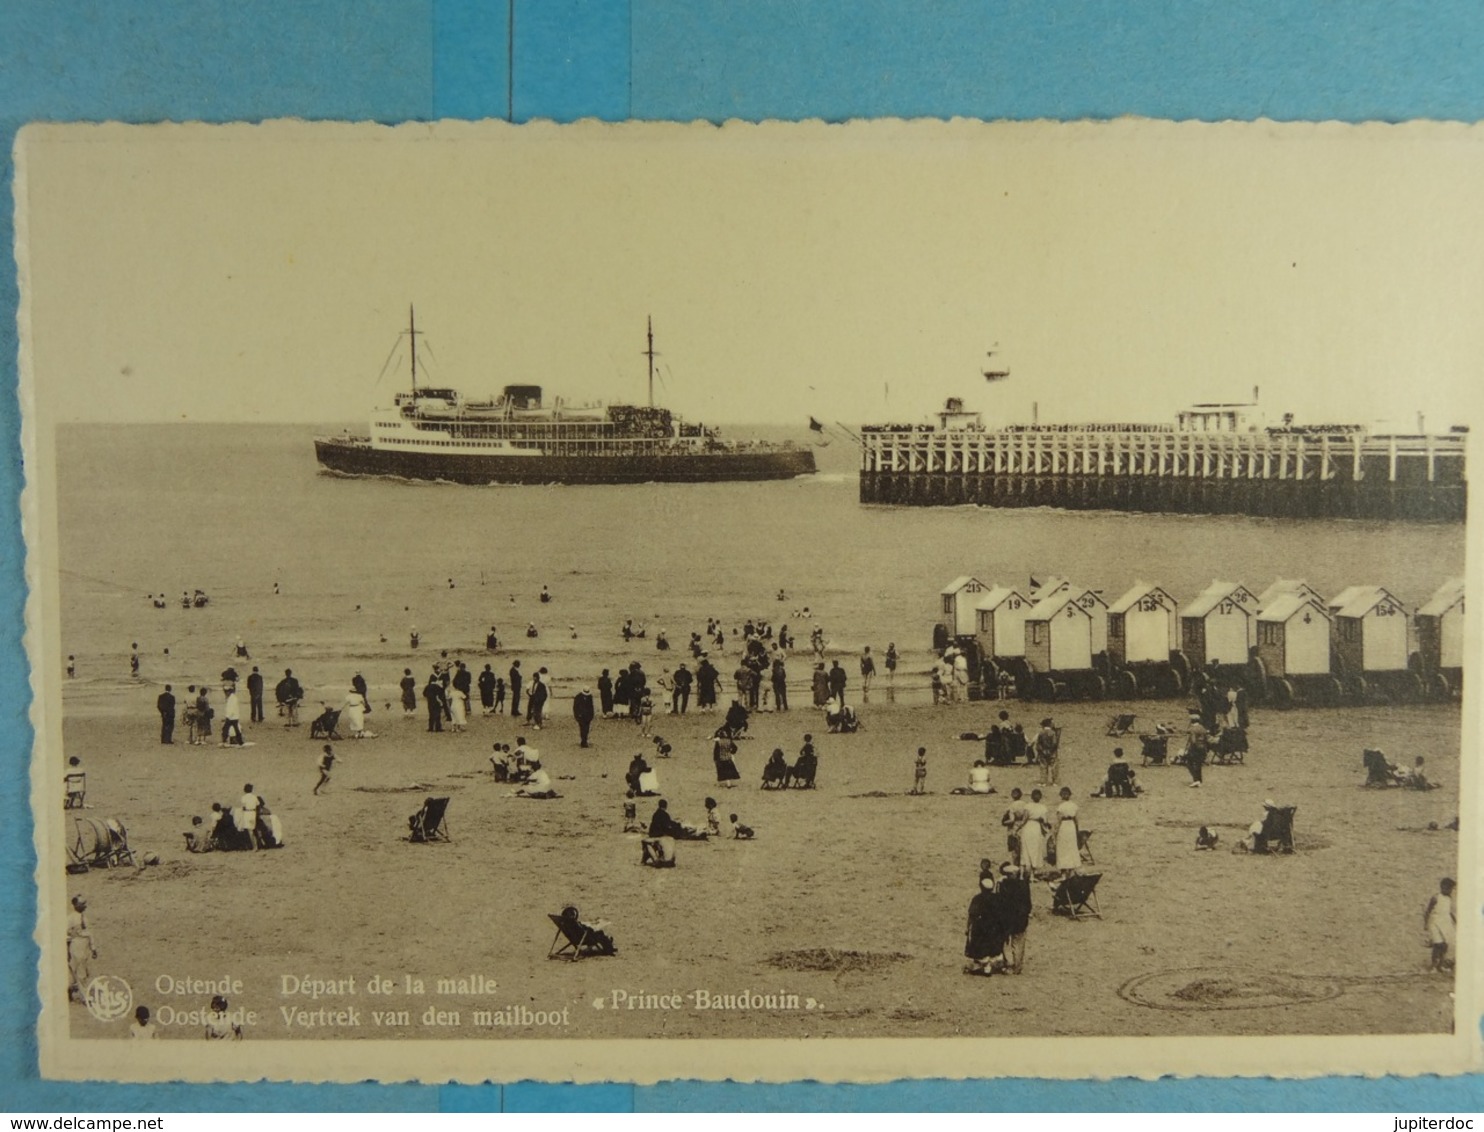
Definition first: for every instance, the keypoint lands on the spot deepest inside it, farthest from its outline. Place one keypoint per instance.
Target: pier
(1293, 473)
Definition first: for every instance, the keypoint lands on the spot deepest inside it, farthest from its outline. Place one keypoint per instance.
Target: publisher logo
(108, 998)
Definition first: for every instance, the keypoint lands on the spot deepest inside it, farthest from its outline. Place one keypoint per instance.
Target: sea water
(236, 509)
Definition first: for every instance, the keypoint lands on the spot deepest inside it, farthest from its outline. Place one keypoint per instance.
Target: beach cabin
(1054, 585)
(1220, 625)
(958, 600)
(1440, 630)
(1058, 634)
(1370, 631)
(1293, 647)
(1142, 625)
(1001, 628)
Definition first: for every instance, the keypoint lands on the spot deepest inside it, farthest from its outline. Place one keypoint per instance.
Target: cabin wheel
(1330, 691)
(1281, 690)
(1257, 680)
(1097, 688)
(1045, 688)
(1356, 689)
(1125, 684)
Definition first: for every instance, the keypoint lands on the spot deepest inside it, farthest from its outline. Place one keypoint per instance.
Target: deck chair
(1230, 746)
(1277, 831)
(802, 774)
(1076, 896)
(99, 844)
(1121, 724)
(428, 823)
(631, 822)
(1084, 846)
(576, 940)
(1155, 749)
(324, 725)
(76, 787)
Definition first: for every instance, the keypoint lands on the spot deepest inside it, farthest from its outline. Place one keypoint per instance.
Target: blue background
(225, 60)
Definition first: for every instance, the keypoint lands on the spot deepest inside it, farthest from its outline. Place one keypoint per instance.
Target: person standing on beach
(1048, 752)
(487, 691)
(409, 692)
(1197, 744)
(680, 697)
(71, 666)
(536, 701)
(134, 661)
(891, 664)
(499, 694)
(707, 678)
(515, 681)
(463, 683)
(582, 712)
(605, 694)
(1440, 921)
(166, 707)
(288, 692)
(255, 695)
(433, 695)
(821, 685)
(837, 683)
(780, 684)
(919, 772)
(81, 950)
(231, 717)
(868, 671)
(204, 714)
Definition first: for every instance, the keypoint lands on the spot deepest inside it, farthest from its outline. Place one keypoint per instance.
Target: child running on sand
(326, 763)
(919, 772)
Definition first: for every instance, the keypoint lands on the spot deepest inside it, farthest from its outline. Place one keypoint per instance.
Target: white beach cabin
(1001, 629)
(1370, 630)
(1220, 625)
(958, 600)
(1058, 635)
(1142, 626)
(1293, 636)
(1440, 628)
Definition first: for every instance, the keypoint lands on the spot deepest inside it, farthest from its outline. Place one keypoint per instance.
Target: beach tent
(1293, 636)
(1370, 630)
(1440, 628)
(1001, 629)
(1059, 635)
(1142, 626)
(1220, 625)
(958, 599)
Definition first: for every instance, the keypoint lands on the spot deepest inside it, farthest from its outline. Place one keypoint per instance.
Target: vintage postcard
(767, 602)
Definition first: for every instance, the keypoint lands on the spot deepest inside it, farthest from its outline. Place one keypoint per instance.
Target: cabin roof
(1048, 609)
(1139, 591)
(1213, 595)
(996, 596)
(959, 583)
(1047, 586)
(1360, 600)
(1285, 586)
(1449, 594)
(1283, 607)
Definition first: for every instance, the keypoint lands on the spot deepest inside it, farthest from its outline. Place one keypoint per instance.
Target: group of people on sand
(249, 824)
(1043, 840)
(657, 847)
(999, 915)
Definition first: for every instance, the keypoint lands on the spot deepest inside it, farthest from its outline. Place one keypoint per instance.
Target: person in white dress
(1440, 921)
(1068, 853)
(1033, 834)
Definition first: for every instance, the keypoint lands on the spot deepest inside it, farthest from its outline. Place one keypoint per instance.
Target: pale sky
(853, 273)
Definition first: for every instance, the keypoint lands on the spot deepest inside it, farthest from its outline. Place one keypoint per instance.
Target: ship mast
(412, 334)
(651, 355)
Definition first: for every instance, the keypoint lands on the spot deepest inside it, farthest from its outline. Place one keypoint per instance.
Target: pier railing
(1279, 472)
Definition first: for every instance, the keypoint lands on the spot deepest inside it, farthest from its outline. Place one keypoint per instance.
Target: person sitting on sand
(198, 838)
(1416, 778)
(978, 780)
(713, 819)
(775, 772)
(538, 784)
(637, 769)
(1120, 780)
(740, 832)
(1207, 839)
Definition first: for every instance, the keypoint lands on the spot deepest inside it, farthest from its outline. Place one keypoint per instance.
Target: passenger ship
(437, 434)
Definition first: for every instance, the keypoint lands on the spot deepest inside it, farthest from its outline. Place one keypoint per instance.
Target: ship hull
(351, 458)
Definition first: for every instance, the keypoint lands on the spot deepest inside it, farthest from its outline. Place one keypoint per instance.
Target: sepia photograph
(761, 602)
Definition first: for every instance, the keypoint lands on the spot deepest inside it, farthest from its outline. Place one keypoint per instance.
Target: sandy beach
(852, 896)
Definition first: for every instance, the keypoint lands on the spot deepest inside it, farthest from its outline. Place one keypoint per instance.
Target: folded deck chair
(428, 823)
(1076, 896)
(576, 940)
(1084, 846)
(1277, 831)
(1231, 746)
(76, 787)
(1378, 771)
(1121, 724)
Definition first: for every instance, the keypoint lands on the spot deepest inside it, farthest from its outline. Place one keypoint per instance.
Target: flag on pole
(815, 426)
